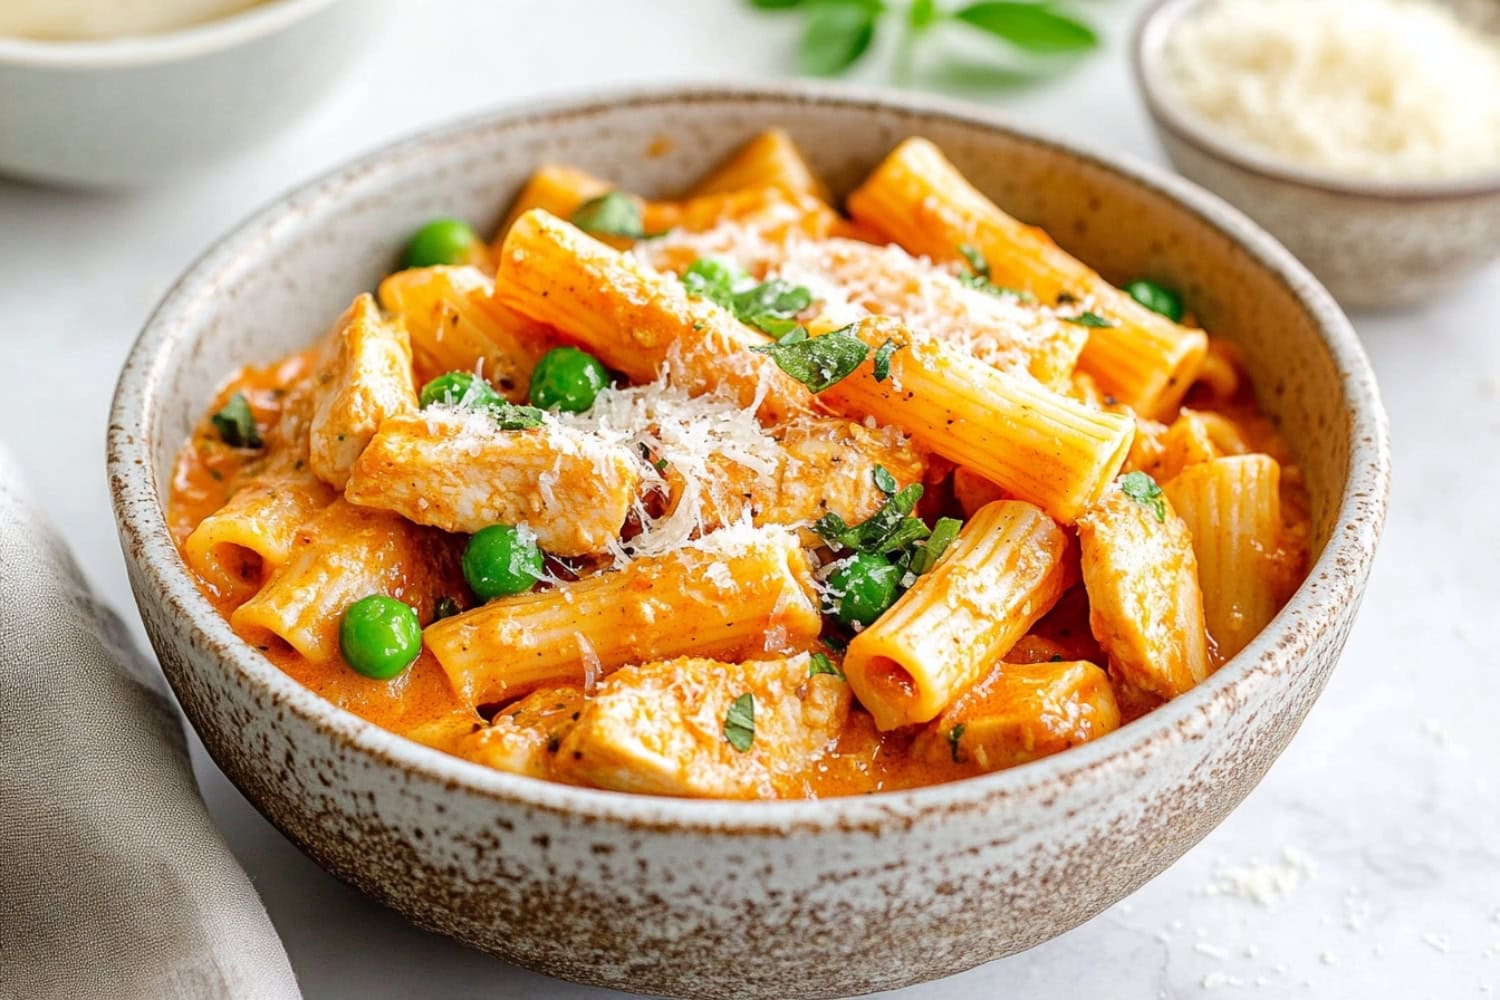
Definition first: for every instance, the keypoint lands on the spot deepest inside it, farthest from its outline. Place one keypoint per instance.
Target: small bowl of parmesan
(1365, 134)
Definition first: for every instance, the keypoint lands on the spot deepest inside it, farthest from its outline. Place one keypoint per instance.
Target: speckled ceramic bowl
(1374, 244)
(793, 899)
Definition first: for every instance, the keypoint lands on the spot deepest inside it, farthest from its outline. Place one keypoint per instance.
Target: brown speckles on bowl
(777, 899)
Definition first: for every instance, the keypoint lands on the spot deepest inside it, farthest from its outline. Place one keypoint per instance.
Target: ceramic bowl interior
(632, 891)
(1374, 243)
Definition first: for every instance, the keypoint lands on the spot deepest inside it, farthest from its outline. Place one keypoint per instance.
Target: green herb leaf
(835, 36)
(613, 213)
(921, 14)
(713, 280)
(913, 529)
(954, 735)
(883, 359)
(776, 4)
(513, 417)
(978, 275)
(1090, 319)
(978, 266)
(1032, 27)
(943, 532)
(818, 362)
(819, 663)
(444, 607)
(770, 306)
(871, 535)
(739, 722)
(236, 423)
(1143, 490)
(884, 481)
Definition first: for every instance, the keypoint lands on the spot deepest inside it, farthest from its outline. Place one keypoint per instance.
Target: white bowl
(130, 111)
(747, 899)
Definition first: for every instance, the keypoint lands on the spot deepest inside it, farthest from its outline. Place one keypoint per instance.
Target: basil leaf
(236, 423)
(512, 417)
(1090, 319)
(921, 14)
(713, 280)
(912, 529)
(834, 37)
(883, 359)
(739, 722)
(1141, 488)
(954, 735)
(819, 663)
(943, 532)
(818, 362)
(613, 213)
(773, 298)
(884, 481)
(1032, 27)
(977, 264)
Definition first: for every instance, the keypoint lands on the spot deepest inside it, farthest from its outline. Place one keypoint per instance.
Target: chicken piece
(523, 738)
(366, 378)
(830, 467)
(456, 470)
(1142, 581)
(676, 727)
(1022, 712)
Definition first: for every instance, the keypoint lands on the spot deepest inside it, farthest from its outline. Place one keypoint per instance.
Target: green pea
(567, 379)
(380, 636)
(1157, 298)
(502, 560)
(441, 241)
(461, 389)
(862, 587)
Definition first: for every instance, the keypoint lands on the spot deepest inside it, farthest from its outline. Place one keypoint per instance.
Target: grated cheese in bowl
(1381, 90)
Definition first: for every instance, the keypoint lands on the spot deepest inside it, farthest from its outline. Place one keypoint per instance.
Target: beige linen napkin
(113, 881)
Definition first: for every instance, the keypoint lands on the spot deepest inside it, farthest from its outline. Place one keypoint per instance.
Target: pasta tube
(343, 554)
(1035, 444)
(635, 319)
(236, 547)
(1232, 509)
(770, 159)
(1005, 570)
(456, 325)
(733, 593)
(1022, 712)
(931, 303)
(457, 471)
(661, 728)
(920, 200)
(1145, 607)
(367, 378)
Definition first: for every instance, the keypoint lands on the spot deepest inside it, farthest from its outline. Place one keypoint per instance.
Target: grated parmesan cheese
(1370, 89)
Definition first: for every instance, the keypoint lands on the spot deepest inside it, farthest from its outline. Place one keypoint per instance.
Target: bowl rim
(163, 581)
(188, 42)
(1152, 28)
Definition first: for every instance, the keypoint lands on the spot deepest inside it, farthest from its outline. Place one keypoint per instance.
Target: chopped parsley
(771, 306)
(943, 532)
(236, 424)
(884, 481)
(883, 359)
(819, 663)
(739, 722)
(613, 213)
(818, 362)
(1090, 319)
(978, 274)
(1141, 488)
(954, 735)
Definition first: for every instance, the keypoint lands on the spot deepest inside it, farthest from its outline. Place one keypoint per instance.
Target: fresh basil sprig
(771, 306)
(836, 34)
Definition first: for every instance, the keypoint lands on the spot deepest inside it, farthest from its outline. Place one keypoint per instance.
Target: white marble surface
(1382, 819)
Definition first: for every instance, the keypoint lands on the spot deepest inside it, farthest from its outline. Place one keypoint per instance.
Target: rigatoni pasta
(726, 495)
